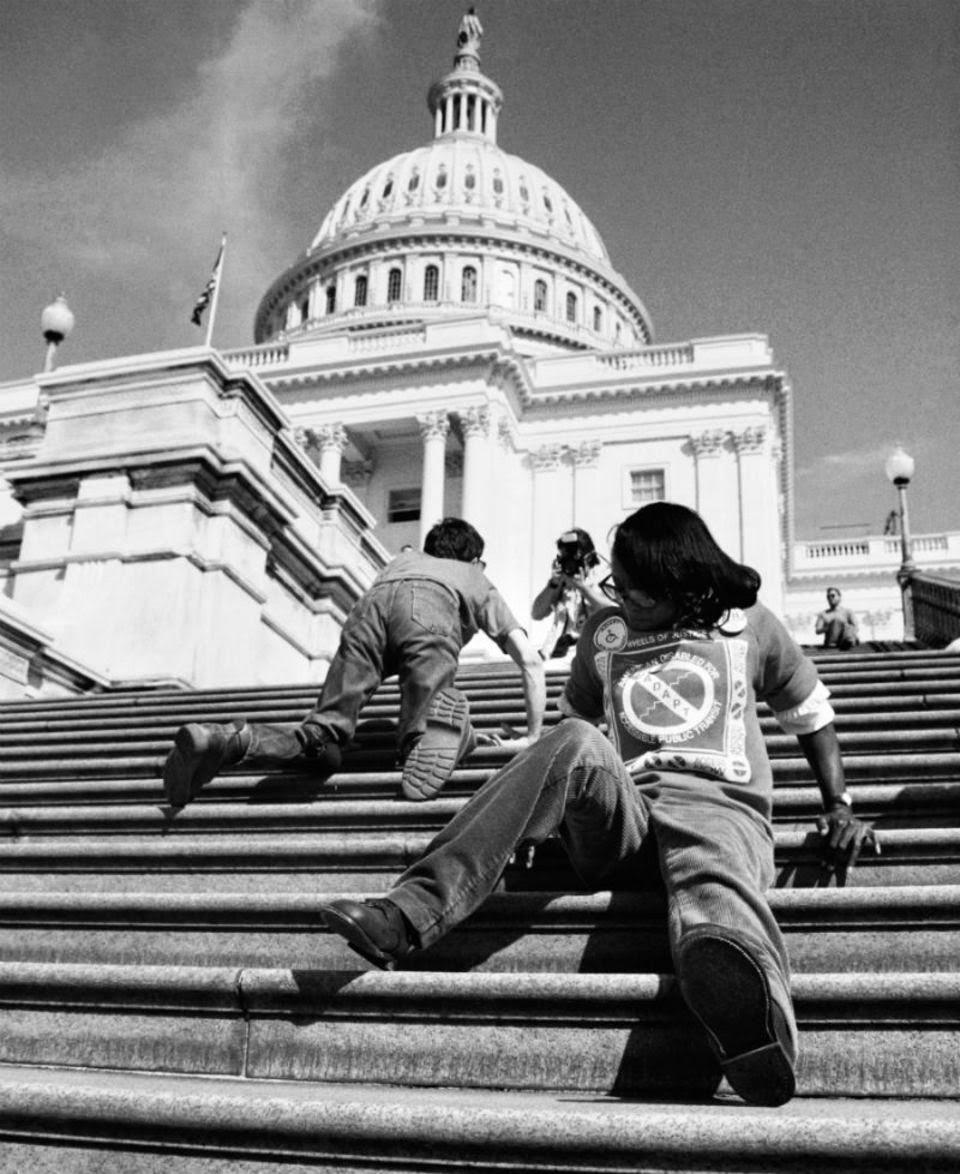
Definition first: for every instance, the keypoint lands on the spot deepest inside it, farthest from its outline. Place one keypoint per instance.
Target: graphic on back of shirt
(675, 701)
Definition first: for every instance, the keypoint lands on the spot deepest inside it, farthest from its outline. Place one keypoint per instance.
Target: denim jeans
(715, 855)
(408, 627)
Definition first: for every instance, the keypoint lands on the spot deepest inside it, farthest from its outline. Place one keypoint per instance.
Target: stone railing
(268, 355)
(936, 609)
(856, 555)
(659, 356)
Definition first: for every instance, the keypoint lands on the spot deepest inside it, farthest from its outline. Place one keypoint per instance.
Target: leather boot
(199, 753)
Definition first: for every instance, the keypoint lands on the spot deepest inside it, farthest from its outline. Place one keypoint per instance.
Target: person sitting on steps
(675, 667)
(414, 620)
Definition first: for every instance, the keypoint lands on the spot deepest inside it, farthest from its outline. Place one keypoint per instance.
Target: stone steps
(167, 987)
(895, 1034)
(880, 929)
(147, 1123)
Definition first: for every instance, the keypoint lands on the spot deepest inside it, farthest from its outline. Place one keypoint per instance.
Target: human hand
(844, 837)
(509, 738)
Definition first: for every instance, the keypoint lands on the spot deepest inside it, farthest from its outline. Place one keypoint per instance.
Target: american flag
(210, 288)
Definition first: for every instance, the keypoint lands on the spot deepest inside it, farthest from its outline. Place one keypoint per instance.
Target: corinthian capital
(709, 443)
(587, 454)
(547, 456)
(750, 440)
(475, 421)
(433, 424)
(332, 436)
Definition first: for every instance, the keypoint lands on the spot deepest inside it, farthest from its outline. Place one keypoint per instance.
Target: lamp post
(56, 322)
(899, 469)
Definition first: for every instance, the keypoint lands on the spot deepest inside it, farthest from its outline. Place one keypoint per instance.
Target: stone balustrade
(878, 552)
(936, 609)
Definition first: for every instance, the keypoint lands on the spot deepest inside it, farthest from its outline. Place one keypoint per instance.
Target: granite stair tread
(252, 1125)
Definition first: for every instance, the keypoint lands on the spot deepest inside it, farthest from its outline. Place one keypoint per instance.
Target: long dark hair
(668, 551)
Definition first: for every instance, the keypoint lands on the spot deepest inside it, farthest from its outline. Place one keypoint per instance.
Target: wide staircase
(170, 999)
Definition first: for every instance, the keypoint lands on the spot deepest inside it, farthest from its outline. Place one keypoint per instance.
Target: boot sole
(358, 939)
(191, 764)
(729, 994)
(434, 758)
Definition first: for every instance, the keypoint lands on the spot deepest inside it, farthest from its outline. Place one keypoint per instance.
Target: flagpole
(216, 290)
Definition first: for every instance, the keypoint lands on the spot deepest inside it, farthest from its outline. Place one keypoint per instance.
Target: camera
(575, 552)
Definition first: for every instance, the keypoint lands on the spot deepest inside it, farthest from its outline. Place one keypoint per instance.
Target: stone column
(434, 427)
(717, 493)
(475, 424)
(551, 511)
(332, 440)
(760, 538)
(586, 471)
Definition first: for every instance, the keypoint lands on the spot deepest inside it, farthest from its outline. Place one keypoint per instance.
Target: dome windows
(331, 295)
(524, 190)
(470, 182)
(497, 188)
(468, 284)
(441, 180)
(360, 290)
(364, 199)
(431, 283)
(414, 181)
(597, 319)
(387, 188)
(547, 203)
(540, 296)
(571, 306)
(394, 285)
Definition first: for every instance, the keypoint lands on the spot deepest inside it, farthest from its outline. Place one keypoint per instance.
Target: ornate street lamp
(56, 322)
(899, 469)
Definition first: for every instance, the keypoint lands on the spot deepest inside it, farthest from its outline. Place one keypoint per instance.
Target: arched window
(331, 298)
(360, 290)
(387, 187)
(431, 283)
(547, 203)
(304, 310)
(597, 319)
(497, 183)
(468, 284)
(571, 306)
(394, 283)
(540, 294)
(441, 178)
(414, 181)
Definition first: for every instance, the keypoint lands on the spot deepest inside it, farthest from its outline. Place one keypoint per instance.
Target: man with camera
(571, 593)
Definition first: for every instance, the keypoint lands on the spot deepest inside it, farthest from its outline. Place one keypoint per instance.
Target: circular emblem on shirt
(669, 701)
(611, 635)
(732, 622)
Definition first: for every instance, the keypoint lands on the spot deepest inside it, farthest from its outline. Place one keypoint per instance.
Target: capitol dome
(457, 226)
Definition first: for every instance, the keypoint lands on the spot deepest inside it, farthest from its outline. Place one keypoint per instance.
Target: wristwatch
(844, 798)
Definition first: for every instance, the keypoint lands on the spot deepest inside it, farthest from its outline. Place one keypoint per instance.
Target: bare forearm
(535, 697)
(822, 751)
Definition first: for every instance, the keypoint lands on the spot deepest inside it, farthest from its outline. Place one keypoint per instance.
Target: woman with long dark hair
(673, 669)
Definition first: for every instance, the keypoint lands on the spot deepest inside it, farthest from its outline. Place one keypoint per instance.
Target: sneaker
(199, 752)
(447, 740)
(728, 992)
(375, 929)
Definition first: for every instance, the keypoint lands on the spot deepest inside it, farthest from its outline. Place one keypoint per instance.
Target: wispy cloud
(847, 466)
(173, 181)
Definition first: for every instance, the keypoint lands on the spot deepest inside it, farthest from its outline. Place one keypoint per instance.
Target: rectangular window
(403, 505)
(645, 485)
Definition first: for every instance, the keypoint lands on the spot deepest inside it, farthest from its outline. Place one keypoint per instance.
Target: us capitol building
(454, 340)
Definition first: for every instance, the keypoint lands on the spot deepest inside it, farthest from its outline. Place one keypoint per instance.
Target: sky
(784, 167)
